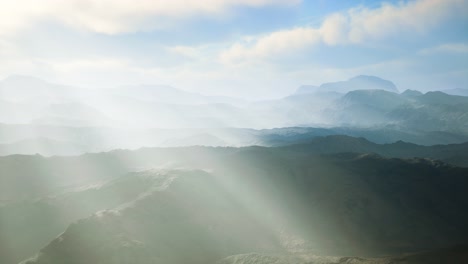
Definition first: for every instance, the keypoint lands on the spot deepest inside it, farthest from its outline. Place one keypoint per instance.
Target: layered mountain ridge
(36, 101)
(61, 120)
(267, 200)
(346, 172)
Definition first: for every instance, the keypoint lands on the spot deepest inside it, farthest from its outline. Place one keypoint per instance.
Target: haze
(233, 132)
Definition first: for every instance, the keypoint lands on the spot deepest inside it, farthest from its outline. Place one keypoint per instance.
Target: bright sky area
(245, 48)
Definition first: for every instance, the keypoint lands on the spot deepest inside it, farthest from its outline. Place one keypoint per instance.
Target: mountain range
(204, 204)
(346, 172)
(363, 101)
(50, 119)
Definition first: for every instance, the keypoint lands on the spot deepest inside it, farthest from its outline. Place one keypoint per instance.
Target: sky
(254, 49)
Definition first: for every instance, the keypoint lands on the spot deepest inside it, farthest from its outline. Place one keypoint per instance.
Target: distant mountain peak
(367, 78)
(360, 82)
(411, 93)
(373, 82)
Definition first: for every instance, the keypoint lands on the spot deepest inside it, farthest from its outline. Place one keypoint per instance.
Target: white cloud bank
(357, 25)
(115, 16)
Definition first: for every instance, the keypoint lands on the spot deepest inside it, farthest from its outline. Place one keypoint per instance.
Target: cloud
(355, 26)
(279, 42)
(185, 51)
(390, 20)
(115, 16)
(459, 48)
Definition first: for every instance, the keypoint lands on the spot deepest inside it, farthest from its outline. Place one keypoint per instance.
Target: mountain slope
(456, 91)
(259, 200)
(186, 218)
(450, 255)
(454, 153)
(20, 236)
(43, 176)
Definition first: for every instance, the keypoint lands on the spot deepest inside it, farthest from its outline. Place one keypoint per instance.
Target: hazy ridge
(345, 172)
